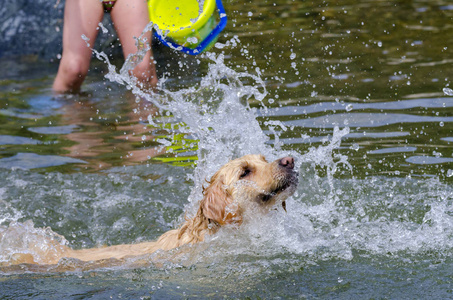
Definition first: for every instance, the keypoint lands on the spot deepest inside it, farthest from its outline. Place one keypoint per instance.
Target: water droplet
(143, 137)
(355, 147)
(349, 107)
(437, 154)
(192, 40)
(449, 173)
(86, 39)
(441, 124)
(448, 92)
(292, 56)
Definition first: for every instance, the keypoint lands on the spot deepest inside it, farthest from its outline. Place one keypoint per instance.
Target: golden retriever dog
(241, 185)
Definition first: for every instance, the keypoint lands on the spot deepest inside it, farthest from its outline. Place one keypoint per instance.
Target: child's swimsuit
(108, 5)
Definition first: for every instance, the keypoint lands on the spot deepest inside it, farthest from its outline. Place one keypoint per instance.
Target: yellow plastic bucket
(182, 21)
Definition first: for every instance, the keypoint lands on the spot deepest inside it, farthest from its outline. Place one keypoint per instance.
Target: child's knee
(75, 69)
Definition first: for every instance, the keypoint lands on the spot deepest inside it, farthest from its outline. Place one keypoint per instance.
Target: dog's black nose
(287, 162)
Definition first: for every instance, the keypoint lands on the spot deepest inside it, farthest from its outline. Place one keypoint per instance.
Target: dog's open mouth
(290, 181)
(268, 196)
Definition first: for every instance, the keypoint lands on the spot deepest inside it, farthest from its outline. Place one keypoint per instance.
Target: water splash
(328, 218)
(40, 244)
(215, 111)
(371, 217)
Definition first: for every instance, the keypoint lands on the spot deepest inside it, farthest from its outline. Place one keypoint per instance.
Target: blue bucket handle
(211, 36)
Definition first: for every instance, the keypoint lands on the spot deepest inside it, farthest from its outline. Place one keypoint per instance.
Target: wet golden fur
(246, 182)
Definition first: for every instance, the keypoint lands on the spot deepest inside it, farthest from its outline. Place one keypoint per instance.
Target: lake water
(359, 92)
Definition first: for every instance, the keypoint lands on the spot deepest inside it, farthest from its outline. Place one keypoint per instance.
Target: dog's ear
(218, 205)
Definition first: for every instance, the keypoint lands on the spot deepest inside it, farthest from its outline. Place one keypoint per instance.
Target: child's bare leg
(81, 17)
(130, 17)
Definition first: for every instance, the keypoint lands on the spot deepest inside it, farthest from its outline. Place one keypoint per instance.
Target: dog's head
(249, 181)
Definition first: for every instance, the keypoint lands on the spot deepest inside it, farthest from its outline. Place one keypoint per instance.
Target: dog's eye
(245, 173)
